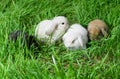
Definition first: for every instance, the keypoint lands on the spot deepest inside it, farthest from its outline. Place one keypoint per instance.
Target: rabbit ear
(63, 38)
(51, 29)
(104, 32)
(80, 41)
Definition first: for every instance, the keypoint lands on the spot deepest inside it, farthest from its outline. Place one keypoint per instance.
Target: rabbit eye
(63, 23)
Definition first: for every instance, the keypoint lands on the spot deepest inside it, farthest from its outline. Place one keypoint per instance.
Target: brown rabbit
(96, 29)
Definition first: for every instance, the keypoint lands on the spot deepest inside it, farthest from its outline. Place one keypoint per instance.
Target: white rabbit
(51, 29)
(97, 28)
(44, 29)
(63, 25)
(75, 37)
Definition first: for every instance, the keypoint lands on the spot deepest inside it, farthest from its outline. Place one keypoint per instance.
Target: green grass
(100, 61)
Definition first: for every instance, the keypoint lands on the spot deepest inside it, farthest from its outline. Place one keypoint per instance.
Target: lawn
(99, 61)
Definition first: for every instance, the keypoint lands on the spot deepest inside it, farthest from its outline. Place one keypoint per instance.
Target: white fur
(75, 37)
(44, 29)
(61, 28)
(52, 29)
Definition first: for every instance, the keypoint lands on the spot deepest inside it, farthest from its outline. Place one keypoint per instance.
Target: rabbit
(25, 38)
(44, 29)
(63, 25)
(13, 36)
(75, 37)
(96, 29)
(51, 29)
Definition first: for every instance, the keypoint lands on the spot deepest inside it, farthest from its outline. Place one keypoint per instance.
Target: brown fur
(96, 28)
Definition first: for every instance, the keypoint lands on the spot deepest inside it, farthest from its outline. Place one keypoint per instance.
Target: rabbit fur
(51, 29)
(75, 37)
(61, 28)
(96, 29)
(26, 39)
